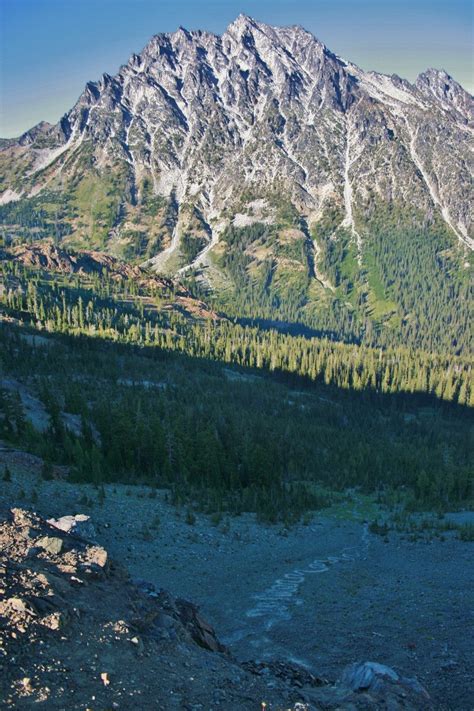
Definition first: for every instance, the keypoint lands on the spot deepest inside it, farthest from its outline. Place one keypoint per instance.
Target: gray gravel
(324, 595)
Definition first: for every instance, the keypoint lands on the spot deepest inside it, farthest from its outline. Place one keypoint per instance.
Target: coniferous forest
(233, 417)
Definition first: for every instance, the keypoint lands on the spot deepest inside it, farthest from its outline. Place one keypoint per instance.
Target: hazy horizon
(49, 52)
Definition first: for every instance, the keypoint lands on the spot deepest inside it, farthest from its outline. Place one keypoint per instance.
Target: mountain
(282, 180)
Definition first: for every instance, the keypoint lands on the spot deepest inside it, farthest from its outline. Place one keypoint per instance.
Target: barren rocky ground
(321, 595)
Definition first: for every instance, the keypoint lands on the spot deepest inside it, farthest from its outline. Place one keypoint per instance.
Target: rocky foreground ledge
(77, 633)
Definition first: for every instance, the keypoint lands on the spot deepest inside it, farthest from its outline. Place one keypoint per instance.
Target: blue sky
(50, 48)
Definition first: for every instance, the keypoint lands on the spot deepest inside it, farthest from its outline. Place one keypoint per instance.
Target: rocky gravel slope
(76, 632)
(400, 603)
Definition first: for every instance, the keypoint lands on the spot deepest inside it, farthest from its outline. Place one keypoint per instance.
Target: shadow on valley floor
(295, 329)
(223, 437)
(426, 404)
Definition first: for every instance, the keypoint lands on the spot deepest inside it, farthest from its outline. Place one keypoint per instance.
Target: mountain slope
(285, 179)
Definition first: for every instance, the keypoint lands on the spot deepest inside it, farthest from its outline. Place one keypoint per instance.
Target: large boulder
(79, 525)
(380, 684)
(368, 675)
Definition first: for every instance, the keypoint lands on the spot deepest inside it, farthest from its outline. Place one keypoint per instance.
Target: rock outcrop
(48, 257)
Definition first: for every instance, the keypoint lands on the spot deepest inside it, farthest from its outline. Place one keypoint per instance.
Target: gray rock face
(205, 118)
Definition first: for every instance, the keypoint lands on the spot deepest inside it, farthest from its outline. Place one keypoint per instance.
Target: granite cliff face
(200, 133)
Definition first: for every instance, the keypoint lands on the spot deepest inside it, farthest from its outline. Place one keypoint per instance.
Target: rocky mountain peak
(435, 78)
(243, 23)
(204, 119)
(30, 136)
(439, 84)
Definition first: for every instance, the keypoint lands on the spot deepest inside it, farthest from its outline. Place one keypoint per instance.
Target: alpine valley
(236, 365)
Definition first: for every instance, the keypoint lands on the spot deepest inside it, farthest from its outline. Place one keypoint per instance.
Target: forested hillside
(411, 286)
(286, 426)
(129, 313)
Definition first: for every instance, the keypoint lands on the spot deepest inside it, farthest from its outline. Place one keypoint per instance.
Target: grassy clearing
(351, 506)
(379, 305)
(97, 200)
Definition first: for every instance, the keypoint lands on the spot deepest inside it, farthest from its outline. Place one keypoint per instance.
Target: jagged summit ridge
(206, 118)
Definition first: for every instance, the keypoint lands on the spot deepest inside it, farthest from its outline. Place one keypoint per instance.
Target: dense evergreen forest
(411, 286)
(123, 312)
(234, 418)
